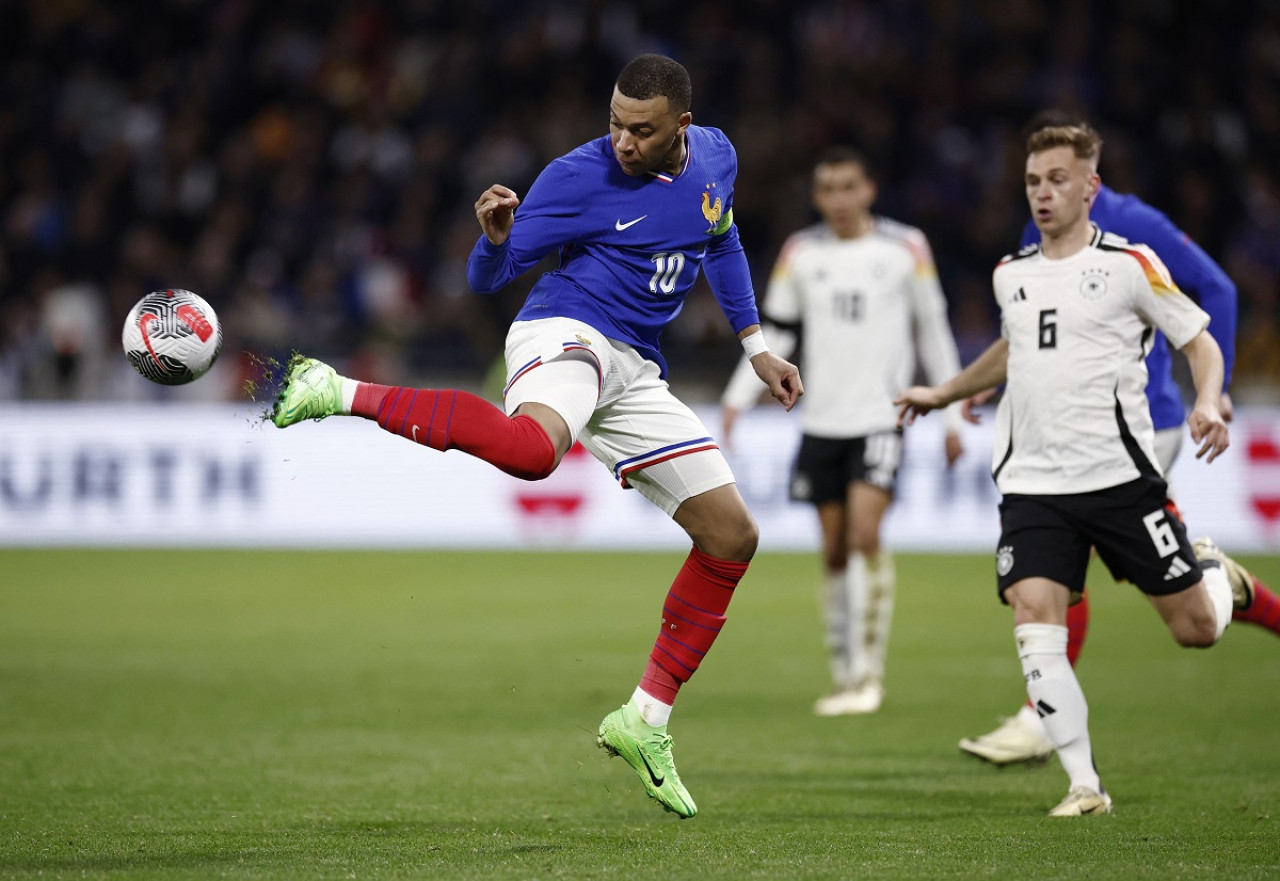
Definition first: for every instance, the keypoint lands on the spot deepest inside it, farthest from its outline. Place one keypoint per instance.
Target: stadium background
(310, 168)
(250, 712)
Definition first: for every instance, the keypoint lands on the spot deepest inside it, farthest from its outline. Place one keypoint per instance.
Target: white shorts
(623, 412)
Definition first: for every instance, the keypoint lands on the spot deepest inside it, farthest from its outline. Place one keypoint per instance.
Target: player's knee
(864, 540)
(1196, 632)
(734, 538)
(540, 470)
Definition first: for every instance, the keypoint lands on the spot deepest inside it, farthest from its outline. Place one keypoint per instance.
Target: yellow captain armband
(725, 222)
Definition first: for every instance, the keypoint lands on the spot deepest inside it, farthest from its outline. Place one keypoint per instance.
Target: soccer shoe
(1237, 576)
(1080, 801)
(856, 701)
(1011, 743)
(648, 751)
(312, 390)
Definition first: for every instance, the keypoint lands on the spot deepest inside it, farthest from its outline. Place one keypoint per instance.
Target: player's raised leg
(528, 444)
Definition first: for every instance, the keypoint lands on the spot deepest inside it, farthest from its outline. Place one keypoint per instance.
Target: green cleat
(312, 390)
(647, 750)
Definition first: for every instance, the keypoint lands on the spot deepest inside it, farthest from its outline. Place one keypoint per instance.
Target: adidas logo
(1176, 568)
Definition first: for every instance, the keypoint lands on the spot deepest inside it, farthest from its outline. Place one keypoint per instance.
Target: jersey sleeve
(1157, 299)
(730, 276)
(783, 299)
(935, 344)
(1193, 271)
(548, 217)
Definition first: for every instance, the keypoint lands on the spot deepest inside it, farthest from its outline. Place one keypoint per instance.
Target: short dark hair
(652, 76)
(840, 154)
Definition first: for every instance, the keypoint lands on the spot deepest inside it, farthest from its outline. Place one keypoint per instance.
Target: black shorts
(1135, 527)
(825, 466)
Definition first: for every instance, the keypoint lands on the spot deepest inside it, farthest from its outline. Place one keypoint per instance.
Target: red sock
(1265, 610)
(1077, 628)
(453, 419)
(691, 620)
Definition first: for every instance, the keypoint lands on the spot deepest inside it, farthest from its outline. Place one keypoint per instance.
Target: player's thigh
(1040, 538)
(558, 363)
(653, 442)
(1141, 537)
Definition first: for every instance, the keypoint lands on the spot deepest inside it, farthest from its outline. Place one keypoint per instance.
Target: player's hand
(1209, 430)
(1226, 407)
(917, 401)
(496, 211)
(969, 407)
(781, 376)
(728, 417)
(954, 447)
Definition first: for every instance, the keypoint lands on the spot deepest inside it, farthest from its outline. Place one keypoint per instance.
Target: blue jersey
(630, 247)
(1193, 271)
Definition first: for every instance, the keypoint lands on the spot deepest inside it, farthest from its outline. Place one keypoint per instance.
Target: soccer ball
(172, 337)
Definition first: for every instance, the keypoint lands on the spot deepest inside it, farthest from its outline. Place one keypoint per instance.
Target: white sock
(1219, 590)
(879, 617)
(857, 586)
(1058, 698)
(652, 710)
(348, 394)
(835, 610)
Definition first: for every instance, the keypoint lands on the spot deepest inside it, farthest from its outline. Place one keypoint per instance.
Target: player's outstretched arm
(988, 370)
(495, 209)
(1208, 427)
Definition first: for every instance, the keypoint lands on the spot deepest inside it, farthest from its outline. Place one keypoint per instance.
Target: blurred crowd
(309, 166)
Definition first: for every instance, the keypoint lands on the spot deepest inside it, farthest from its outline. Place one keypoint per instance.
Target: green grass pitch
(204, 714)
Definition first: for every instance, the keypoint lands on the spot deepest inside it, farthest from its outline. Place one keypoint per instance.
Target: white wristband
(754, 344)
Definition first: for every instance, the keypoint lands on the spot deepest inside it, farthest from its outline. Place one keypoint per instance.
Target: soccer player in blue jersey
(633, 216)
(1021, 737)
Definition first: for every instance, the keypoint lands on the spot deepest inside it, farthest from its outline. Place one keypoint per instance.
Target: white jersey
(865, 306)
(1074, 417)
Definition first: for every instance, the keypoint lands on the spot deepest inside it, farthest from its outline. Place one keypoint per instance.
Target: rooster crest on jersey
(712, 211)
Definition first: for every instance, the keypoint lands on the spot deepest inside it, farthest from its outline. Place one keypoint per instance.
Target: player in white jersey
(861, 292)
(1074, 457)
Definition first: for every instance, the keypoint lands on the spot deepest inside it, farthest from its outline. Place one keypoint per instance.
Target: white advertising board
(214, 475)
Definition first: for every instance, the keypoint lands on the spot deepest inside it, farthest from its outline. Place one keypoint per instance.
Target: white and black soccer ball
(172, 336)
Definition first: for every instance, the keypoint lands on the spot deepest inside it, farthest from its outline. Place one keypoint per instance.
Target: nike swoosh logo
(620, 226)
(144, 320)
(657, 781)
(415, 434)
